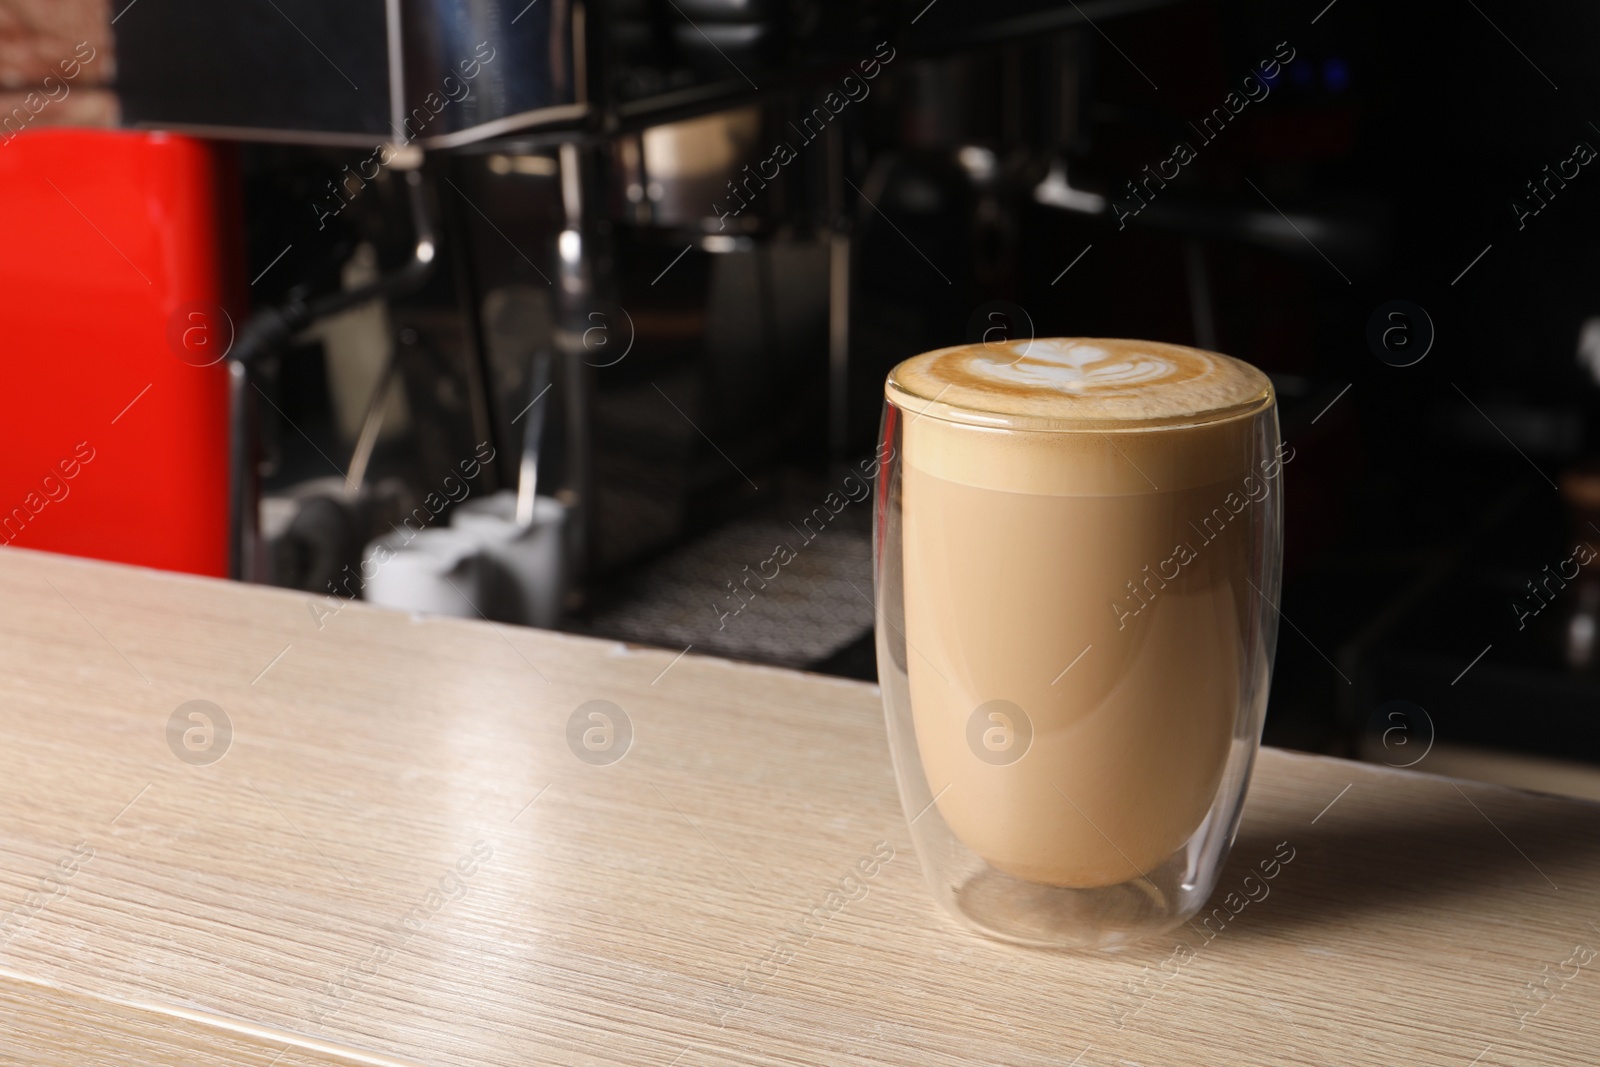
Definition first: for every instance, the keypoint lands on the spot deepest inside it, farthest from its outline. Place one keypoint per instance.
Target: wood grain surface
(44, 1025)
(401, 858)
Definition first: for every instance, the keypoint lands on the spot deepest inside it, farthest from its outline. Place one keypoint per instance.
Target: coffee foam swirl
(1073, 379)
(1068, 366)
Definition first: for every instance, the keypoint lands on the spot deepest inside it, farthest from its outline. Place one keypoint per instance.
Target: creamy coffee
(1079, 518)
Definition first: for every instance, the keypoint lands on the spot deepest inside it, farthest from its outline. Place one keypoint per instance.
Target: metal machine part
(270, 328)
(517, 330)
(359, 72)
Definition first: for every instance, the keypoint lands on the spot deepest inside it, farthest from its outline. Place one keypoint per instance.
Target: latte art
(1070, 366)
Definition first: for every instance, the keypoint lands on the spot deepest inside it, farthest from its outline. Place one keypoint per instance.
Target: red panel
(112, 446)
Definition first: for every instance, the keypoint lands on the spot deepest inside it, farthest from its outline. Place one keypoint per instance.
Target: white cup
(521, 567)
(436, 570)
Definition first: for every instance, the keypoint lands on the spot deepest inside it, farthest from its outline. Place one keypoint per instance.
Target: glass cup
(1077, 549)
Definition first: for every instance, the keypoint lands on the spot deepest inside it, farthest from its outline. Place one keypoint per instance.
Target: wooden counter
(400, 859)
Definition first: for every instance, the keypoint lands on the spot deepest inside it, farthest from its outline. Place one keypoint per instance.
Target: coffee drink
(1083, 530)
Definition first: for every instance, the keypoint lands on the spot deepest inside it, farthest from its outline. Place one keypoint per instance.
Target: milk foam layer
(1077, 379)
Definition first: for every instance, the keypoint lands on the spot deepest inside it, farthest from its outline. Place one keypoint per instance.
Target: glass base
(1002, 906)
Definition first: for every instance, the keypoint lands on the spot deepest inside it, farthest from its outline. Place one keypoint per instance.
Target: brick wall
(36, 38)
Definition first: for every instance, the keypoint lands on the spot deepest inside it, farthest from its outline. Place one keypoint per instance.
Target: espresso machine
(566, 313)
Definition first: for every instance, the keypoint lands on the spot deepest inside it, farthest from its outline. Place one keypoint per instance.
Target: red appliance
(118, 256)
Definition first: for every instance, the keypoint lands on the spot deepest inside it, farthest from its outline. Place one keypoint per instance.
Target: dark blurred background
(1357, 219)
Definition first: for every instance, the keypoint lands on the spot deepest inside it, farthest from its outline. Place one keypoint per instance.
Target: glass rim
(920, 406)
